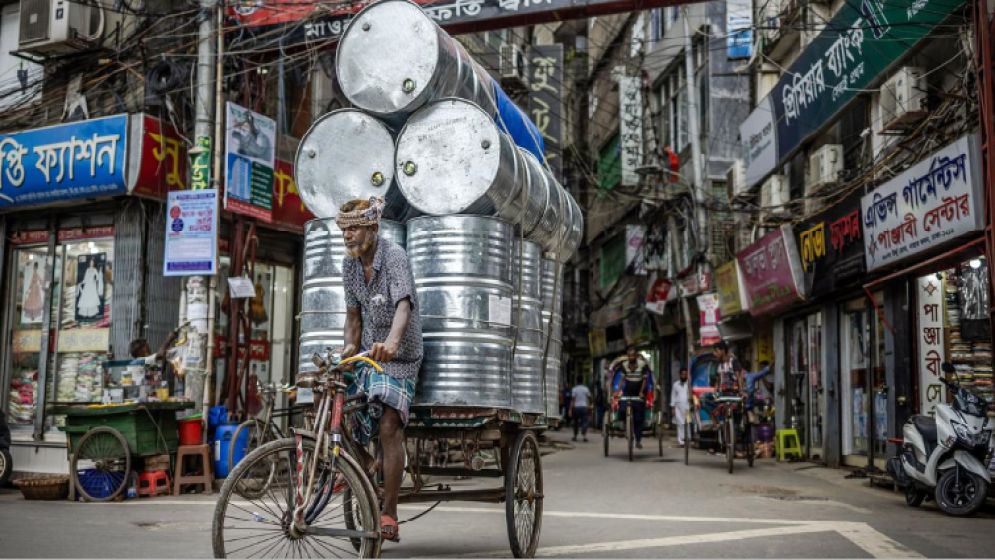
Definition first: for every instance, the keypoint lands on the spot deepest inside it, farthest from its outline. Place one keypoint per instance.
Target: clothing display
(972, 359)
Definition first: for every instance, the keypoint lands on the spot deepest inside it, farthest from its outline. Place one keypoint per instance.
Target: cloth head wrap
(358, 214)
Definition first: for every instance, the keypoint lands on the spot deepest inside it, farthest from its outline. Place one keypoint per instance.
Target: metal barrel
(462, 266)
(552, 331)
(323, 309)
(527, 377)
(345, 155)
(575, 232)
(426, 64)
(454, 142)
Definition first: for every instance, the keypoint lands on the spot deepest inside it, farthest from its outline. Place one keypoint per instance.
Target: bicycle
(730, 408)
(260, 430)
(313, 498)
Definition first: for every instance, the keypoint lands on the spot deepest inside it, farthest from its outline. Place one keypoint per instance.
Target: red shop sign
(162, 158)
(772, 272)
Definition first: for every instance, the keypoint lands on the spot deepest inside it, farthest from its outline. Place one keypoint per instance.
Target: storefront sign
(83, 159)
(630, 127)
(322, 21)
(250, 155)
(934, 201)
(84, 340)
(929, 327)
(863, 39)
(191, 233)
(771, 272)
(732, 294)
(545, 101)
(597, 342)
(162, 158)
(289, 211)
(708, 319)
(831, 247)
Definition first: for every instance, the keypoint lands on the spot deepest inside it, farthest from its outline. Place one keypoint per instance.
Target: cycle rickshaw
(716, 419)
(619, 424)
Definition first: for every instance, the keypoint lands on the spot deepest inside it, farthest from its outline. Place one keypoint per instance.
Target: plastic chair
(788, 443)
(153, 483)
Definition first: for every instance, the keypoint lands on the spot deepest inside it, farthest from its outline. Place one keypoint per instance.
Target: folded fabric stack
(65, 390)
(89, 379)
(23, 388)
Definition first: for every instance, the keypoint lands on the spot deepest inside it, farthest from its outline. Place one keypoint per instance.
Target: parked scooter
(6, 464)
(947, 457)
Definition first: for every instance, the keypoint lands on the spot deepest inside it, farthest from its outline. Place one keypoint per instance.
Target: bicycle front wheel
(340, 514)
(250, 435)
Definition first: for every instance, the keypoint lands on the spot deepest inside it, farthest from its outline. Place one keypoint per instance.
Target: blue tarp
(517, 124)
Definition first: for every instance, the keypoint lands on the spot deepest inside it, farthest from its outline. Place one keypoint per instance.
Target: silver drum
(463, 275)
(322, 318)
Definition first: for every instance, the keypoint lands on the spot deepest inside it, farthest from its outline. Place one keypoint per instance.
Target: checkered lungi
(383, 389)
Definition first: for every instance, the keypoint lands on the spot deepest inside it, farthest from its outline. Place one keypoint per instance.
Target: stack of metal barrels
(486, 225)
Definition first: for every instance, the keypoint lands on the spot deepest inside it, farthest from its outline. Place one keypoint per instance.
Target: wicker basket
(44, 488)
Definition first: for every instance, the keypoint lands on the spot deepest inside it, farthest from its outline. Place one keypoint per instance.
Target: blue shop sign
(76, 160)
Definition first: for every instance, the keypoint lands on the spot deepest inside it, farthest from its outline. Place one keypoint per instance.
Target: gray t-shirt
(390, 283)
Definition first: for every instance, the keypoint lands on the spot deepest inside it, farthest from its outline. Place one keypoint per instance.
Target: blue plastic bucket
(222, 446)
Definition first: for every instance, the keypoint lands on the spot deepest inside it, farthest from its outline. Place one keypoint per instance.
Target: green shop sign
(612, 262)
(610, 165)
(863, 39)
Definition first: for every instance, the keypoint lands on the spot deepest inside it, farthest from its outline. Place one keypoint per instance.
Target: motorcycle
(947, 457)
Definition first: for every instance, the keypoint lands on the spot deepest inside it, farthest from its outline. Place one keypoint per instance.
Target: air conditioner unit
(512, 63)
(824, 166)
(736, 179)
(903, 98)
(63, 26)
(774, 196)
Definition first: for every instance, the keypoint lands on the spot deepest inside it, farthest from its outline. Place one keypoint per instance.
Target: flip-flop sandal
(388, 528)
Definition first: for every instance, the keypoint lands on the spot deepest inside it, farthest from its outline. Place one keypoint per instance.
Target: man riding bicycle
(632, 382)
(382, 319)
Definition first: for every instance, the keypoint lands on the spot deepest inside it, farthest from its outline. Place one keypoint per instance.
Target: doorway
(805, 385)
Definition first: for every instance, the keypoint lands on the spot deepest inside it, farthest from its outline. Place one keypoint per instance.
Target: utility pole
(199, 296)
(701, 242)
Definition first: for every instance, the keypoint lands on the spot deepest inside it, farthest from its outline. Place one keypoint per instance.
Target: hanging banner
(191, 233)
(929, 327)
(545, 101)
(635, 242)
(708, 319)
(250, 155)
(831, 247)
(161, 158)
(771, 272)
(862, 40)
(929, 204)
(84, 159)
(630, 127)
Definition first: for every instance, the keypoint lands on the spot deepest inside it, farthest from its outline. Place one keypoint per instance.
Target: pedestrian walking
(679, 404)
(580, 398)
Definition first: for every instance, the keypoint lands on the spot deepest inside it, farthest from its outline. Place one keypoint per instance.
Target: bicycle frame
(328, 423)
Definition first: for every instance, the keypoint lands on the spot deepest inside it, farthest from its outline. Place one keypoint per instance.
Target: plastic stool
(788, 443)
(153, 483)
(204, 475)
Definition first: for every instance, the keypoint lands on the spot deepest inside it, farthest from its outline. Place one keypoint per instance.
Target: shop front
(772, 281)
(81, 254)
(823, 385)
(923, 234)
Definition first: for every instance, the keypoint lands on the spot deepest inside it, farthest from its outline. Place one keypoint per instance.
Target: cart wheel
(629, 436)
(730, 443)
(102, 461)
(606, 433)
(6, 466)
(523, 495)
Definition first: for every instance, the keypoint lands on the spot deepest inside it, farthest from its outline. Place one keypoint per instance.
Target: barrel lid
(387, 56)
(448, 155)
(346, 154)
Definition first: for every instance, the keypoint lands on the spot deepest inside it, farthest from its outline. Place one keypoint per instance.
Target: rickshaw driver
(632, 377)
(730, 377)
(382, 318)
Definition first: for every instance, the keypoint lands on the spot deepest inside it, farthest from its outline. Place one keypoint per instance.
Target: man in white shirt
(679, 404)
(580, 401)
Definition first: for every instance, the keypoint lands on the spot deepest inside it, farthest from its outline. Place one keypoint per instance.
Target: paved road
(595, 507)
